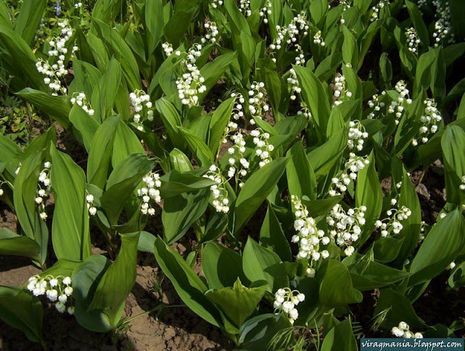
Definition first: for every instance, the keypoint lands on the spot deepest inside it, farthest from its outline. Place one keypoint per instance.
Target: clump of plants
(277, 138)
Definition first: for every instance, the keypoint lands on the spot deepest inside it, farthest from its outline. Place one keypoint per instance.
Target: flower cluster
(57, 289)
(293, 83)
(257, 101)
(212, 33)
(43, 190)
(317, 39)
(238, 108)
(351, 168)
(340, 91)
(219, 192)
(90, 204)
(357, 135)
(305, 111)
(191, 83)
(150, 192)
(442, 27)
(462, 186)
(377, 9)
(290, 34)
(244, 6)
(140, 102)
(264, 148)
(430, 120)
(308, 235)
(238, 164)
(392, 223)
(403, 331)
(54, 68)
(216, 3)
(81, 100)
(346, 227)
(412, 39)
(286, 300)
(398, 106)
(376, 104)
(167, 48)
(266, 11)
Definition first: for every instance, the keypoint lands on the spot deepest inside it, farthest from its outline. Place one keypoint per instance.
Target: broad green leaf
(315, 96)
(175, 183)
(442, 245)
(255, 190)
(85, 280)
(85, 125)
(118, 280)
(238, 302)
(98, 163)
(272, 236)
(27, 212)
(453, 140)
(340, 338)
(70, 226)
(29, 18)
(122, 181)
(171, 120)
(221, 265)
(146, 242)
(368, 193)
(103, 97)
(301, 179)
(336, 288)
(125, 143)
(258, 332)
(181, 211)
(154, 22)
(57, 107)
(261, 264)
(188, 285)
(21, 310)
(18, 245)
(218, 123)
(198, 147)
(180, 162)
(18, 59)
(212, 71)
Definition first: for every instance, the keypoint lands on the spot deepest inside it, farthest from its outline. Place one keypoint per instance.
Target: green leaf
(261, 264)
(418, 23)
(126, 143)
(349, 48)
(26, 209)
(368, 193)
(212, 71)
(85, 125)
(18, 245)
(118, 280)
(122, 181)
(85, 280)
(154, 22)
(237, 302)
(181, 211)
(340, 338)
(255, 190)
(57, 107)
(29, 19)
(453, 140)
(18, 59)
(180, 162)
(70, 226)
(103, 97)
(301, 179)
(188, 285)
(21, 310)
(324, 157)
(171, 120)
(146, 242)
(198, 147)
(175, 183)
(336, 288)
(257, 332)
(272, 236)
(221, 265)
(98, 163)
(218, 123)
(438, 250)
(315, 96)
